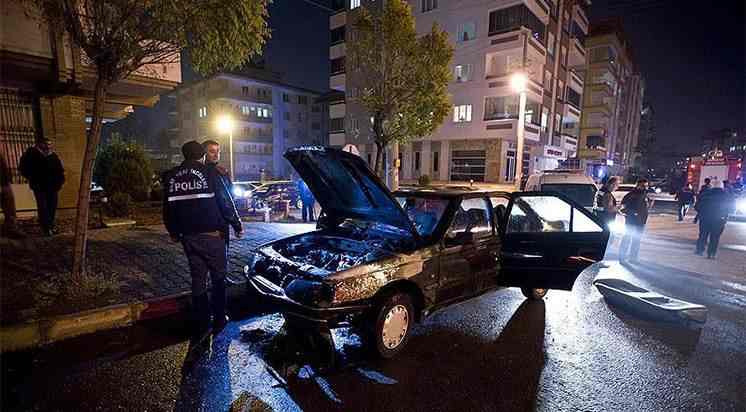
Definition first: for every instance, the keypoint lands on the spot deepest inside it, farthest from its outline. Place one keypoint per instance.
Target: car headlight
(251, 260)
(237, 191)
(309, 292)
(658, 190)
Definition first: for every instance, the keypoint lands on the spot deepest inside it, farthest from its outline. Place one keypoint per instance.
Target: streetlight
(225, 125)
(518, 83)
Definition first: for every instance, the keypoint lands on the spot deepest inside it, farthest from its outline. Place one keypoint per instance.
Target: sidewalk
(134, 268)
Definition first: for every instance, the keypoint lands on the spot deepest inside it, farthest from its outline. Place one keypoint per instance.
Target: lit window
(203, 111)
(428, 5)
(462, 113)
(467, 31)
(354, 4)
(462, 72)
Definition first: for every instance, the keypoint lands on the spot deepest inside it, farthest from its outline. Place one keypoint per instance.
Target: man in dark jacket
(685, 197)
(197, 207)
(713, 206)
(44, 171)
(635, 205)
(606, 207)
(702, 190)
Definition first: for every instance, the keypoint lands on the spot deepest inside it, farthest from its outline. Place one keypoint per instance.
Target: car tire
(389, 326)
(534, 293)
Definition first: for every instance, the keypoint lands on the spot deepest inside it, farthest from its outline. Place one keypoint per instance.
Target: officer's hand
(239, 234)
(175, 238)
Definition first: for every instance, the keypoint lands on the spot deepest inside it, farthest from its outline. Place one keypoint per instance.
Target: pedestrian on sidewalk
(685, 197)
(307, 201)
(635, 206)
(197, 208)
(43, 169)
(702, 190)
(8, 202)
(713, 206)
(606, 206)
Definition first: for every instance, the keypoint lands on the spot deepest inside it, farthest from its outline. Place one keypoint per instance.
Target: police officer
(197, 207)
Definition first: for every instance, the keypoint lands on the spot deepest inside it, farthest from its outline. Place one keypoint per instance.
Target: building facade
(46, 91)
(612, 103)
(268, 117)
(492, 40)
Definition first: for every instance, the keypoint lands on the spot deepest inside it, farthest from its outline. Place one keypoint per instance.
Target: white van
(571, 183)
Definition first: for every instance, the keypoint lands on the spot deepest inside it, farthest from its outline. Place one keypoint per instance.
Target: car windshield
(581, 193)
(425, 213)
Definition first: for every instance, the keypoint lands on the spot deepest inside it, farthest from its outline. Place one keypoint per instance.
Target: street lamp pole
(230, 149)
(518, 83)
(225, 125)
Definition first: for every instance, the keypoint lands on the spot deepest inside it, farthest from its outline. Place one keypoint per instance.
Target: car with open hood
(380, 261)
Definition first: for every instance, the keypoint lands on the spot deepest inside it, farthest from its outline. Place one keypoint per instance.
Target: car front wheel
(390, 325)
(533, 293)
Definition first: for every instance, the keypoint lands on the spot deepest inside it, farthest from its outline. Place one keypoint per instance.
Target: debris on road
(623, 293)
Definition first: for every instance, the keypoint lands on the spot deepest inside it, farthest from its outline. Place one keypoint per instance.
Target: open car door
(548, 240)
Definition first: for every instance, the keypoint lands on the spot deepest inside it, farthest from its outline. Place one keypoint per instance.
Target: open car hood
(344, 186)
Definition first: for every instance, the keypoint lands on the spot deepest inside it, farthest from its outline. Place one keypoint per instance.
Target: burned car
(380, 261)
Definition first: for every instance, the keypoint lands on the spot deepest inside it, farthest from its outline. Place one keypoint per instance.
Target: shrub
(119, 205)
(424, 180)
(123, 168)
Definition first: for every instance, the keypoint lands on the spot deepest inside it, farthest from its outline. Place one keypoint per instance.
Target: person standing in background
(8, 202)
(685, 197)
(606, 207)
(635, 206)
(714, 206)
(43, 169)
(702, 190)
(307, 201)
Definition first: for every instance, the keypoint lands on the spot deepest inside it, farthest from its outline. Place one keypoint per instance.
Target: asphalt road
(571, 352)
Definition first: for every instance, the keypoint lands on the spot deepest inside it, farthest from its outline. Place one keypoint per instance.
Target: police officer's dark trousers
(709, 236)
(206, 253)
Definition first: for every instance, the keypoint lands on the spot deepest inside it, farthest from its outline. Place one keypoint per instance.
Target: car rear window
(581, 193)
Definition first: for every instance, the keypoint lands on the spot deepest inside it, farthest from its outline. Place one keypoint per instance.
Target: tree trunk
(84, 195)
(378, 169)
(393, 172)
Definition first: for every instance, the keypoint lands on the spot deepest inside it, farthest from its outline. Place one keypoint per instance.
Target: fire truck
(716, 166)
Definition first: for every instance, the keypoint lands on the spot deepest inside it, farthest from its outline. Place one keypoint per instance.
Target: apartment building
(612, 103)
(269, 117)
(492, 40)
(46, 90)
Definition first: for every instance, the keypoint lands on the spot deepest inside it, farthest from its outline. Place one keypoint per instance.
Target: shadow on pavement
(682, 338)
(441, 369)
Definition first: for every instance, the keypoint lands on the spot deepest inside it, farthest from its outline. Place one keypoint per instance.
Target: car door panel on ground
(548, 240)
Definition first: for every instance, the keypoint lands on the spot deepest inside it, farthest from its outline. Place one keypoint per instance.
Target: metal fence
(19, 124)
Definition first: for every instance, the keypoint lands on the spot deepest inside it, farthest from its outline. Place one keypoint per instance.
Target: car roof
(446, 191)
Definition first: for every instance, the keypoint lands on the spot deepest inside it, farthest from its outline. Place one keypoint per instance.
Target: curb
(44, 331)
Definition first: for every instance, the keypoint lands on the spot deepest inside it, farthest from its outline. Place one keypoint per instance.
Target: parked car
(571, 183)
(268, 193)
(243, 193)
(622, 191)
(380, 261)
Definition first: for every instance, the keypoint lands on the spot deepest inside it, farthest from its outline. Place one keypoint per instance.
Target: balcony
(577, 54)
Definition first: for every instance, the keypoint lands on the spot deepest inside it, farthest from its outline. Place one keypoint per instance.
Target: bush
(119, 205)
(123, 168)
(424, 180)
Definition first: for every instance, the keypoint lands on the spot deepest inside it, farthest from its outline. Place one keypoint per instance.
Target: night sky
(692, 57)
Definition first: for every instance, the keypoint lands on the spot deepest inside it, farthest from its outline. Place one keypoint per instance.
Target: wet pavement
(497, 352)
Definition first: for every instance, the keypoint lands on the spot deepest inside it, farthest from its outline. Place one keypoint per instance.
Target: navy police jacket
(197, 200)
